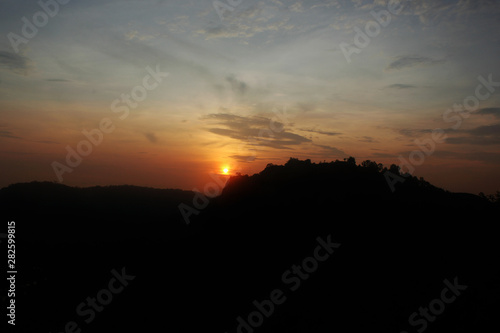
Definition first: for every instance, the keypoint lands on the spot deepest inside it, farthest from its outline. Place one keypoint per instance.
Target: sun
(225, 171)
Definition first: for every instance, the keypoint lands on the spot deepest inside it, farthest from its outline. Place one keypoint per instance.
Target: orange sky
(184, 92)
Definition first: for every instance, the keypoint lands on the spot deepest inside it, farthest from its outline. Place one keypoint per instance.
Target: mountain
(300, 247)
(62, 213)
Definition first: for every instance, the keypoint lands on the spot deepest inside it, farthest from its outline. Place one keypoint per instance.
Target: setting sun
(225, 171)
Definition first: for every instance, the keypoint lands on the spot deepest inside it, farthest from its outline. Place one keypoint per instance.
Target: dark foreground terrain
(302, 247)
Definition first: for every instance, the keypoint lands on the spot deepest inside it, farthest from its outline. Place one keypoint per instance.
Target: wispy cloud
(331, 151)
(238, 86)
(244, 158)
(487, 157)
(48, 142)
(151, 137)
(296, 7)
(489, 111)
(433, 12)
(247, 128)
(482, 135)
(367, 139)
(16, 63)
(58, 80)
(319, 131)
(401, 86)
(255, 19)
(412, 61)
(414, 132)
(8, 134)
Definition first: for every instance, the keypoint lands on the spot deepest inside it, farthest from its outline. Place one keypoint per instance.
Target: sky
(169, 93)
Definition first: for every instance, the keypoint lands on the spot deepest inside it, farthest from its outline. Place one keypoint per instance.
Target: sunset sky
(249, 83)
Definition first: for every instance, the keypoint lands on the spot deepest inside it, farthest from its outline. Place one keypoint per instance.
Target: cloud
(48, 142)
(472, 156)
(134, 34)
(489, 111)
(296, 7)
(410, 132)
(306, 107)
(8, 134)
(151, 137)
(248, 22)
(482, 135)
(367, 5)
(326, 4)
(16, 63)
(244, 158)
(487, 130)
(384, 155)
(434, 12)
(235, 121)
(474, 140)
(58, 80)
(401, 86)
(319, 132)
(331, 151)
(255, 131)
(237, 85)
(412, 61)
(368, 139)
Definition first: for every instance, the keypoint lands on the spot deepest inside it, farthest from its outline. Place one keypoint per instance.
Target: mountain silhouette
(299, 247)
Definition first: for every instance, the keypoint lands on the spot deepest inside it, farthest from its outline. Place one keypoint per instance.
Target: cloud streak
(482, 135)
(151, 137)
(16, 63)
(331, 151)
(320, 132)
(401, 86)
(8, 134)
(253, 130)
(489, 111)
(413, 61)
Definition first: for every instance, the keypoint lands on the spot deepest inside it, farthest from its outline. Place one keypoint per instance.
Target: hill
(300, 247)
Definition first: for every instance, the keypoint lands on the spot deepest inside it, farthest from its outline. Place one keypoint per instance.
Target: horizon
(164, 94)
(218, 181)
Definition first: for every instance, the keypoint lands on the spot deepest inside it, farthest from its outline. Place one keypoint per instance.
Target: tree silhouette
(351, 160)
